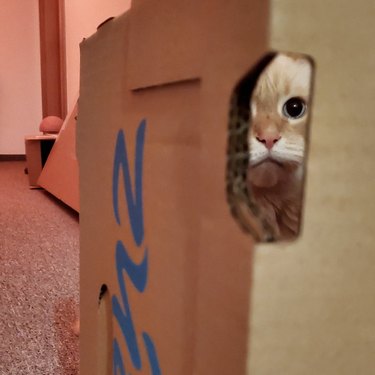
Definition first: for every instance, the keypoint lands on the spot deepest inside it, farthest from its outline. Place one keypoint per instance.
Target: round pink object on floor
(51, 124)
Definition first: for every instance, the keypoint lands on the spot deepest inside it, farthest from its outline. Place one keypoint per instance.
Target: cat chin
(270, 173)
(266, 174)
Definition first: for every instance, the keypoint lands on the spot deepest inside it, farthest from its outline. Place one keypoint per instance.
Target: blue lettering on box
(134, 201)
(126, 268)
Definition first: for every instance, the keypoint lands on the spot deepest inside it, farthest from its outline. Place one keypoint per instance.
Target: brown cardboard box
(313, 305)
(60, 173)
(156, 230)
(37, 149)
(312, 301)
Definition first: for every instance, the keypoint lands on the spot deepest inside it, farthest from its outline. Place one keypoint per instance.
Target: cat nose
(268, 140)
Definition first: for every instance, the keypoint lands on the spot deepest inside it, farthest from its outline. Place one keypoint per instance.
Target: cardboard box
(60, 173)
(312, 302)
(313, 305)
(165, 269)
(38, 148)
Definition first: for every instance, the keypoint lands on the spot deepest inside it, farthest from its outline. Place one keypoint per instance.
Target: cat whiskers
(257, 152)
(282, 156)
(258, 157)
(289, 151)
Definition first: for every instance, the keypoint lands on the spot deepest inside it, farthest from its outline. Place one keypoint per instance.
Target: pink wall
(20, 78)
(20, 87)
(82, 17)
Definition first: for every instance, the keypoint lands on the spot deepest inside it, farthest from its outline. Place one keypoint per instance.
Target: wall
(82, 17)
(20, 88)
(20, 78)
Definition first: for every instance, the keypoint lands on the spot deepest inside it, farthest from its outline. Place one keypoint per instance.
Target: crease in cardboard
(167, 84)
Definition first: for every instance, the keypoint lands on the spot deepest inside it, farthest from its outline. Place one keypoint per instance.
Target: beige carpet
(39, 279)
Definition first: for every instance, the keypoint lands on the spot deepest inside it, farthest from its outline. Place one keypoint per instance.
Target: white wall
(82, 17)
(20, 82)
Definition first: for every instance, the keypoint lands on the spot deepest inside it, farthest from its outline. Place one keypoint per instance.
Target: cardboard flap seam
(166, 84)
(104, 22)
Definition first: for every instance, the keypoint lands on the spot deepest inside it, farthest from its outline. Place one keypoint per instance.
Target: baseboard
(13, 157)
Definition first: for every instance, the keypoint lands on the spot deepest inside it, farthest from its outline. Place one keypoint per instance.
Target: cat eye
(294, 108)
(265, 177)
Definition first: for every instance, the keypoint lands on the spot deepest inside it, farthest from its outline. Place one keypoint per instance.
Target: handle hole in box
(267, 146)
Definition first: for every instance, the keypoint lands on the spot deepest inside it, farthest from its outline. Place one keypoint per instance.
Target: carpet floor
(39, 279)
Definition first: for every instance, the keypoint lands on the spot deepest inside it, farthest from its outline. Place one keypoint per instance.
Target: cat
(279, 109)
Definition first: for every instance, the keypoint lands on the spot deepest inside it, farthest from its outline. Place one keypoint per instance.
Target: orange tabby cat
(279, 109)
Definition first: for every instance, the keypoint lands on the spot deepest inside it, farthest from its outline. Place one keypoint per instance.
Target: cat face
(279, 109)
